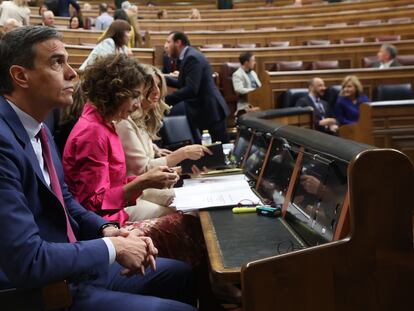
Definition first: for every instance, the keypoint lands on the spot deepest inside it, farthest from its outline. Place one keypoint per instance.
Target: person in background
(16, 9)
(114, 41)
(10, 25)
(121, 14)
(196, 91)
(132, 14)
(323, 117)
(195, 14)
(93, 158)
(245, 80)
(349, 100)
(63, 7)
(48, 19)
(47, 236)
(162, 14)
(75, 22)
(104, 20)
(386, 57)
(42, 8)
(87, 6)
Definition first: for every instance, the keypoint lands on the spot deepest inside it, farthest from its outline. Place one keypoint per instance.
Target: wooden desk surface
(233, 240)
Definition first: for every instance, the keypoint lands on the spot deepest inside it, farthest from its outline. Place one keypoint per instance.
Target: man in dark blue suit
(323, 117)
(46, 236)
(197, 92)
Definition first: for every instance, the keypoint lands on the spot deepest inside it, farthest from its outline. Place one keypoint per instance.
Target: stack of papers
(214, 192)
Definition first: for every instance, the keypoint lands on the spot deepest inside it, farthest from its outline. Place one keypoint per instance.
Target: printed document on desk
(214, 193)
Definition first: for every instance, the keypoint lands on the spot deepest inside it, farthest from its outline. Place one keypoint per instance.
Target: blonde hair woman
(16, 9)
(137, 133)
(349, 100)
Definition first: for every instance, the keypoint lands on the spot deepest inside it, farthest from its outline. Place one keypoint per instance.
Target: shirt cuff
(111, 250)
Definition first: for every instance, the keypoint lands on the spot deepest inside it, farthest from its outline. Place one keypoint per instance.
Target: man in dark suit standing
(196, 90)
(46, 236)
(386, 57)
(324, 121)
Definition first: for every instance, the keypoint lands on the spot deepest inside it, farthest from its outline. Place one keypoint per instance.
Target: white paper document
(213, 192)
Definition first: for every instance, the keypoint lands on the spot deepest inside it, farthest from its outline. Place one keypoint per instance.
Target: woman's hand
(195, 152)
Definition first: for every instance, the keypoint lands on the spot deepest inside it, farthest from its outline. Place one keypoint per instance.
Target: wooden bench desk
(275, 83)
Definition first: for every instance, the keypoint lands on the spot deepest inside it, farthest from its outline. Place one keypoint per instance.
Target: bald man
(324, 121)
(11, 24)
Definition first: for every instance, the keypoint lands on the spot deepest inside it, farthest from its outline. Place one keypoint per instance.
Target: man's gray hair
(391, 50)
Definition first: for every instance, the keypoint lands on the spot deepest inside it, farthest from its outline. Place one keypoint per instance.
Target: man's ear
(19, 76)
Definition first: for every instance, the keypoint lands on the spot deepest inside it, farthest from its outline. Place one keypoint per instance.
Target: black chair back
(290, 97)
(394, 92)
(176, 132)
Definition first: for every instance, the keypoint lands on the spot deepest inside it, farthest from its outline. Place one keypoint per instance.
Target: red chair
(318, 42)
(336, 25)
(388, 38)
(368, 61)
(352, 40)
(246, 45)
(279, 43)
(227, 90)
(400, 20)
(267, 29)
(325, 65)
(213, 46)
(289, 66)
(370, 22)
(406, 60)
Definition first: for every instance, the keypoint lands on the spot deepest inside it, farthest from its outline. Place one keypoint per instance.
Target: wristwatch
(109, 224)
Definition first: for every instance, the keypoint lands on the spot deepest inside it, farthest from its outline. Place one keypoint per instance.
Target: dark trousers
(170, 288)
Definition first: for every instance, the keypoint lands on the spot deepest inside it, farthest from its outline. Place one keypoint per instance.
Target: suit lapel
(12, 120)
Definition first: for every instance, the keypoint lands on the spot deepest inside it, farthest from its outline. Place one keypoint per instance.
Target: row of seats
(382, 93)
(387, 38)
(367, 62)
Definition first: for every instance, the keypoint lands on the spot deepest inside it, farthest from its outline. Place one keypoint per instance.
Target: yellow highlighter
(240, 210)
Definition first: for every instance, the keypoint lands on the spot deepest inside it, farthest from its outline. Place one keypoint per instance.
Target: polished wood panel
(348, 55)
(370, 270)
(384, 124)
(78, 54)
(275, 83)
(277, 10)
(295, 36)
(283, 22)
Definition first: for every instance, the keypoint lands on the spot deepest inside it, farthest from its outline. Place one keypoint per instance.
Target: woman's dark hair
(111, 80)
(79, 19)
(121, 14)
(116, 31)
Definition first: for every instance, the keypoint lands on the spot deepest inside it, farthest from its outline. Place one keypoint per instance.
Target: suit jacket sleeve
(172, 81)
(192, 73)
(26, 258)
(137, 160)
(238, 84)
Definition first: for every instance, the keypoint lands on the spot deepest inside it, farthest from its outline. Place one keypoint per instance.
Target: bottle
(205, 138)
